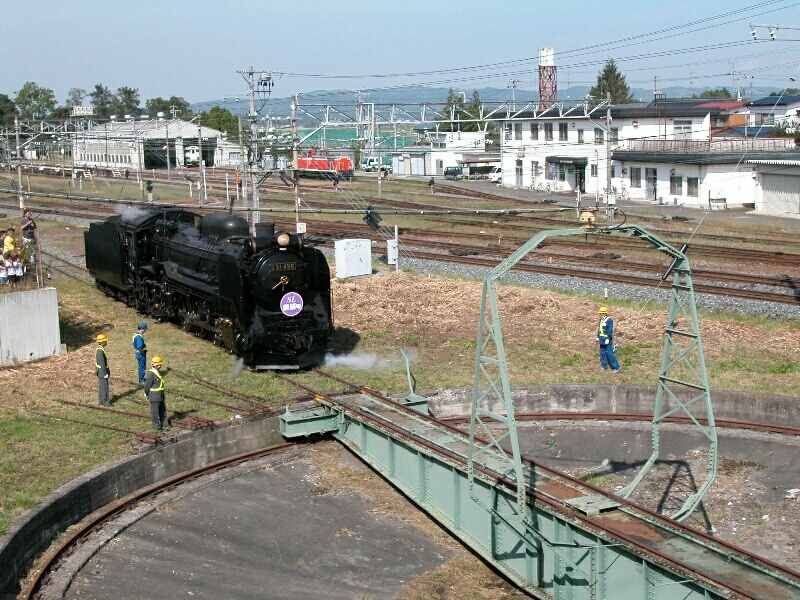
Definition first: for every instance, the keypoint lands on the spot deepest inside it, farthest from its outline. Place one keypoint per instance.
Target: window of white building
(580, 136)
(563, 132)
(548, 132)
(636, 177)
(693, 186)
(683, 129)
(676, 185)
(534, 131)
(599, 135)
(517, 131)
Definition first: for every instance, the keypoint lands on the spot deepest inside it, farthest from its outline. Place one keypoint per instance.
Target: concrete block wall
(29, 326)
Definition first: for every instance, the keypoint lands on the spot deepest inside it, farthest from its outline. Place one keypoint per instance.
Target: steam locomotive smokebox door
(353, 258)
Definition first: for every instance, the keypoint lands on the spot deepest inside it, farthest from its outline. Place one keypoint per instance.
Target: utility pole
(265, 83)
(608, 152)
(169, 166)
(202, 173)
(242, 179)
(19, 166)
(513, 87)
(294, 162)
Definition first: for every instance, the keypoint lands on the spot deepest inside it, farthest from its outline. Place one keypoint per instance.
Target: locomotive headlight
(284, 239)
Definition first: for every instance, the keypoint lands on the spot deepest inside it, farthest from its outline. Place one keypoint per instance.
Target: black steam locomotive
(266, 297)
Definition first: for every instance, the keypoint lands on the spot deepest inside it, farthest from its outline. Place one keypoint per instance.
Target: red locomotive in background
(317, 165)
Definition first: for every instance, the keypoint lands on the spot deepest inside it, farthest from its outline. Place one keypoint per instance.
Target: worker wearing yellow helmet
(102, 370)
(154, 390)
(605, 337)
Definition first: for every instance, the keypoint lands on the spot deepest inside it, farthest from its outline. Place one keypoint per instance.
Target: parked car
(453, 173)
(496, 175)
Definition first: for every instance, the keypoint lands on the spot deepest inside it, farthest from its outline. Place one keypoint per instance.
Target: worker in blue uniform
(605, 337)
(140, 350)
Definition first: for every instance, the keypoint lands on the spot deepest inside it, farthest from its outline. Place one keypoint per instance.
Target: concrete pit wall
(29, 325)
(753, 407)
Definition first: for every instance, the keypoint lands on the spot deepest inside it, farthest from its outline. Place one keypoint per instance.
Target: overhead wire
(622, 43)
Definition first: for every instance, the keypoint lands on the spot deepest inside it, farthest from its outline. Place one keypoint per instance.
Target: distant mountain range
(419, 95)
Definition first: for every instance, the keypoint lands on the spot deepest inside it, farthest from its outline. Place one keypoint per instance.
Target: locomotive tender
(265, 297)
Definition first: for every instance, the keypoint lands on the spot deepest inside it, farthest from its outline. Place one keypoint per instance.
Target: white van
(496, 175)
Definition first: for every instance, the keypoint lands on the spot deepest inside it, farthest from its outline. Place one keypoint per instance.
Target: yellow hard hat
(603, 310)
(101, 338)
(156, 360)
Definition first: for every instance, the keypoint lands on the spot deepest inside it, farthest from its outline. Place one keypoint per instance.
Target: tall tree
(102, 100)
(34, 101)
(75, 97)
(8, 110)
(611, 81)
(462, 112)
(786, 92)
(126, 102)
(719, 93)
(222, 119)
(159, 105)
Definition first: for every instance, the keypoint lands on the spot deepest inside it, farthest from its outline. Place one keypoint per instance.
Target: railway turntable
(553, 535)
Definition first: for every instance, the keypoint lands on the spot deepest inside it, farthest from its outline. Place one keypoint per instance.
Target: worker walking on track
(140, 350)
(154, 390)
(102, 370)
(605, 337)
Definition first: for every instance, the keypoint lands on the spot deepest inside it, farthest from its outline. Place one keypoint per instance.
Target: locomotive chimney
(266, 230)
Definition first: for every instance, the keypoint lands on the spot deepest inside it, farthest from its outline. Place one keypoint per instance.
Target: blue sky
(193, 49)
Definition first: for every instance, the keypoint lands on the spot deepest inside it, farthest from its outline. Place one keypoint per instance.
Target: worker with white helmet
(154, 390)
(605, 337)
(102, 370)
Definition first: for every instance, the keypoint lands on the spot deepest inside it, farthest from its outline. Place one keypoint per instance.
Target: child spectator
(16, 268)
(8, 242)
(3, 271)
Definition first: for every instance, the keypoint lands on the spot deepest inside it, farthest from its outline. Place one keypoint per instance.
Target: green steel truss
(682, 383)
(570, 543)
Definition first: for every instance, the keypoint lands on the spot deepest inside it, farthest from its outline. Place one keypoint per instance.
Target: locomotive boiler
(265, 297)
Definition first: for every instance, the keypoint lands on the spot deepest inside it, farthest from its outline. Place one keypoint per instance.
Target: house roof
(152, 128)
(701, 158)
(760, 131)
(775, 100)
(724, 104)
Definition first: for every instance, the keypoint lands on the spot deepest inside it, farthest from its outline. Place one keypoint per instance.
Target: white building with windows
(447, 149)
(664, 151)
(136, 145)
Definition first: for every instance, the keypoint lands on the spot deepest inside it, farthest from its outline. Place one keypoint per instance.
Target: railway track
(485, 256)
